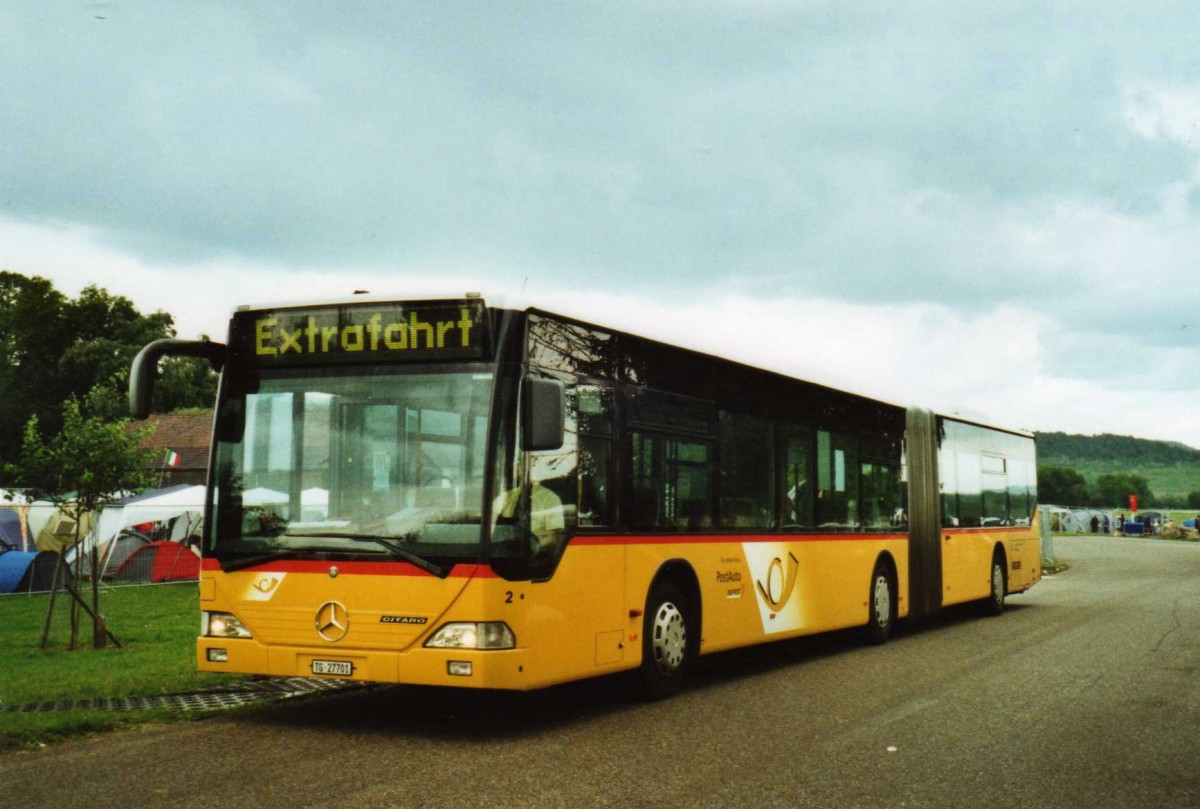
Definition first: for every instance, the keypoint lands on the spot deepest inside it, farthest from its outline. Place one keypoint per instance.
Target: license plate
(343, 668)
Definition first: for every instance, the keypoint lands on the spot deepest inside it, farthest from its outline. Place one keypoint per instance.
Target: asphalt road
(1085, 693)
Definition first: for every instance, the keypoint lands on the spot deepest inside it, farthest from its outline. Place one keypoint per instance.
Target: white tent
(1062, 520)
(314, 502)
(1076, 520)
(185, 505)
(262, 496)
(182, 503)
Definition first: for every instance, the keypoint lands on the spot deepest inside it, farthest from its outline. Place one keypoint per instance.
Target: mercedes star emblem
(333, 621)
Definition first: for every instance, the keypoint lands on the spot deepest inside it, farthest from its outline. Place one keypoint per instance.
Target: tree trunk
(54, 580)
(98, 633)
(74, 644)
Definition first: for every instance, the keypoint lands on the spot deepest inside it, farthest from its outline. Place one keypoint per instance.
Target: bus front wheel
(666, 641)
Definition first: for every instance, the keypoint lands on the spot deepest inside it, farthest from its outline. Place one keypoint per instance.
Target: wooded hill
(1172, 469)
(1117, 448)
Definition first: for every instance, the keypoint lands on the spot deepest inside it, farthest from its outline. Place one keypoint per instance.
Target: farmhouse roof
(186, 433)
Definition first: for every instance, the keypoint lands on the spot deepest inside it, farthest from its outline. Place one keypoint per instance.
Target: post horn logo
(266, 584)
(333, 621)
(778, 588)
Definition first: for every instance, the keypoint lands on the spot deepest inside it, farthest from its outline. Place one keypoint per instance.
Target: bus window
(796, 500)
(552, 488)
(569, 486)
(672, 482)
(948, 478)
(354, 451)
(969, 482)
(572, 349)
(747, 472)
(995, 490)
(1018, 491)
(882, 506)
(594, 404)
(837, 480)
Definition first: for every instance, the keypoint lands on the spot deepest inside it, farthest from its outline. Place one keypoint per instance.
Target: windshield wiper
(392, 547)
(241, 563)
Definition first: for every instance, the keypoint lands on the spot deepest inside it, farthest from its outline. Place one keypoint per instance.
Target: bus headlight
(223, 625)
(481, 635)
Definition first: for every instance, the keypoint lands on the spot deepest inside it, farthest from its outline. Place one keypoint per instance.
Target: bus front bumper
(463, 668)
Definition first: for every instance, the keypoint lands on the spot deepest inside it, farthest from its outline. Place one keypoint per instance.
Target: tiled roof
(186, 433)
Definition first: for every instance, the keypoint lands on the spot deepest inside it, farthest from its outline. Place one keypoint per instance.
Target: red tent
(159, 562)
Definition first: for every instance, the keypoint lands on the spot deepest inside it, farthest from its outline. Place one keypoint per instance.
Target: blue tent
(24, 572)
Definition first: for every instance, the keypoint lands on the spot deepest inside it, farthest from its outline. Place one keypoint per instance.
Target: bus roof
(532, 304)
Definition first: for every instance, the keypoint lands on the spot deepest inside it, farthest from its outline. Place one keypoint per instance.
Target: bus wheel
(994, 605)
(665, 641)
(883, 605)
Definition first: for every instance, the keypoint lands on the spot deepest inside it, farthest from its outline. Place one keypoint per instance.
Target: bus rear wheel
(994, 605)
(666, 641)
(882, 603)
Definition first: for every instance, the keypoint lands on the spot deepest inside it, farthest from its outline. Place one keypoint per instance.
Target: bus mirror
(543, 409)
(145, 364)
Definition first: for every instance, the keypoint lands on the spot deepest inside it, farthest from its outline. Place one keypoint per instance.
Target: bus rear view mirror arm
(145, 365)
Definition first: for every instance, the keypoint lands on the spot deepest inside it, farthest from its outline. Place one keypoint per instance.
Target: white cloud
(1164, 112)
(201, 296)
(988, 363)
(915, 204)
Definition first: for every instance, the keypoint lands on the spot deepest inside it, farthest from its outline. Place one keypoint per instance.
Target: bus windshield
(329, 462)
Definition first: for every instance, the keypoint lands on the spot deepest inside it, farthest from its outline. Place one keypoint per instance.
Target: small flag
(172, 458)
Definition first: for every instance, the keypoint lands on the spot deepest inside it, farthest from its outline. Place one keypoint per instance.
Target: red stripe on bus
(462, 571)
(729, 539)
(983, 529)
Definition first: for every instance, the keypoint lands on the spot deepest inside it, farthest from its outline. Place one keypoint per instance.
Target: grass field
(156, 626)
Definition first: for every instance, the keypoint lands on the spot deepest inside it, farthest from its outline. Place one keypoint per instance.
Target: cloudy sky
(990, 208)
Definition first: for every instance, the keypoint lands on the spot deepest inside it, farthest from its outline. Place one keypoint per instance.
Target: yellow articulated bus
(447, 493)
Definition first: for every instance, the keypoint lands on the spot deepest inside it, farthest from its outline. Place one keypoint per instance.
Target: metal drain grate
(226, 696)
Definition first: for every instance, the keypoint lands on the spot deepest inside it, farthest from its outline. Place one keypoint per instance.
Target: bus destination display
(361, 333)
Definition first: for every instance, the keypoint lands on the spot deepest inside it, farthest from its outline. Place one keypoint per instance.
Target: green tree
(1193, 500)
(33, 337)
(183, 383)
(1113, 489)
(53, 348)
(86, 464)
(1061, 485)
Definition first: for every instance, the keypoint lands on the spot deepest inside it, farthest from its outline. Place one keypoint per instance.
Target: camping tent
(1076, 520)
(157, 506)
(314, 504)
(157, 562)
(14, 531)
(58, 531)
(181, 507)
(314, 501)
(113, 531)
(1063, 520)
(23, 572)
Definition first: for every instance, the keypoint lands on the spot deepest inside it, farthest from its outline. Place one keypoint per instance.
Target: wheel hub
(883, 601)
(669, 638)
